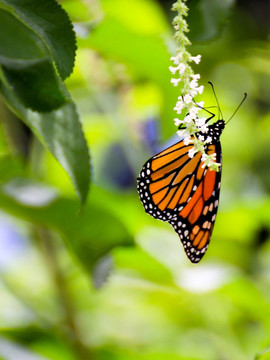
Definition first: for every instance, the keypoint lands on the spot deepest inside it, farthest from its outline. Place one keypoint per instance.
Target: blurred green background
(107, 281)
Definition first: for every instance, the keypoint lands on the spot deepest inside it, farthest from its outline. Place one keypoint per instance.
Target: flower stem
(51, 255)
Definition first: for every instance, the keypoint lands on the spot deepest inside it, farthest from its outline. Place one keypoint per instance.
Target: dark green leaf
(18, 42)
(27, 66)
(50, 22)
(41, 339)
(61, 133)
(207, 18)
(36, 84)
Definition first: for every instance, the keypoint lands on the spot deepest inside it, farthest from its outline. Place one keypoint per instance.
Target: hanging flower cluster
(192, 124)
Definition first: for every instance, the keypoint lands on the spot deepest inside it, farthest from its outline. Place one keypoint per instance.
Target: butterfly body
(181, 190)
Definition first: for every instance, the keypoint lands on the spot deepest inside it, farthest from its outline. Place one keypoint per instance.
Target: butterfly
(181, 190)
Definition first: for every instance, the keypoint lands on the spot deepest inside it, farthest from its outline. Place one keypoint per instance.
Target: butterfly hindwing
(195, 222)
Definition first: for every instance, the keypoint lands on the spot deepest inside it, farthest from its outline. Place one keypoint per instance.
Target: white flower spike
(192, 124)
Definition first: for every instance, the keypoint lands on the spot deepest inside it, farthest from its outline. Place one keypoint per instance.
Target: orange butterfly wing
(176, 188)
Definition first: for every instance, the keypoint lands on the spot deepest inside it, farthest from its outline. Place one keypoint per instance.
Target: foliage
(35, 39)
(104, 280)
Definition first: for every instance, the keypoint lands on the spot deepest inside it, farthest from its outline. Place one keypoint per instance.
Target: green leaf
(263, 354)
(42, 340)
(50, 22)
(18, 42)
(28, 72)
(207, 19)
(60, 131)
(27, 66)
(143, 264)
(91, 234)
(36, 84)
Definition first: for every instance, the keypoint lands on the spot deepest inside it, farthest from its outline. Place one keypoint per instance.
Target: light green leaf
(60, 131)
(90, 235)
(144, 265)
(263, 354)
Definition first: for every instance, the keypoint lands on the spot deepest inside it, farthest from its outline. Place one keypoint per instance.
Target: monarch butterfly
(176, 188)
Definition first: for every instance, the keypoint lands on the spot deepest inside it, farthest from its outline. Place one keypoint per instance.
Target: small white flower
(187, 98)
(172, 69)
(200, 104)
(182, 133)
(175, 81)
(190, 126)
(192, 152)
(177, 122)
(188, 119)
(194, 111)
(176, 27)
(192, 114)
(204, 128)
(196, 59)
(204, 157)
(200, 121)
(200, 89)
(201, 124)
(187, 140)
(181, 68)
(201, 138)
(210, 161)
(176, 59)
(192, 93)
(208, 140)
(196, 76)
(179, 107)
(193, 84)
(178, 111)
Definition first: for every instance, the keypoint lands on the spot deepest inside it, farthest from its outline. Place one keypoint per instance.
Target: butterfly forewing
(176, 188)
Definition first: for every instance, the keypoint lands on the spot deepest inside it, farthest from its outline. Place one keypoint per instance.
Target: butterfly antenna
(219, 109)
(244, 98)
